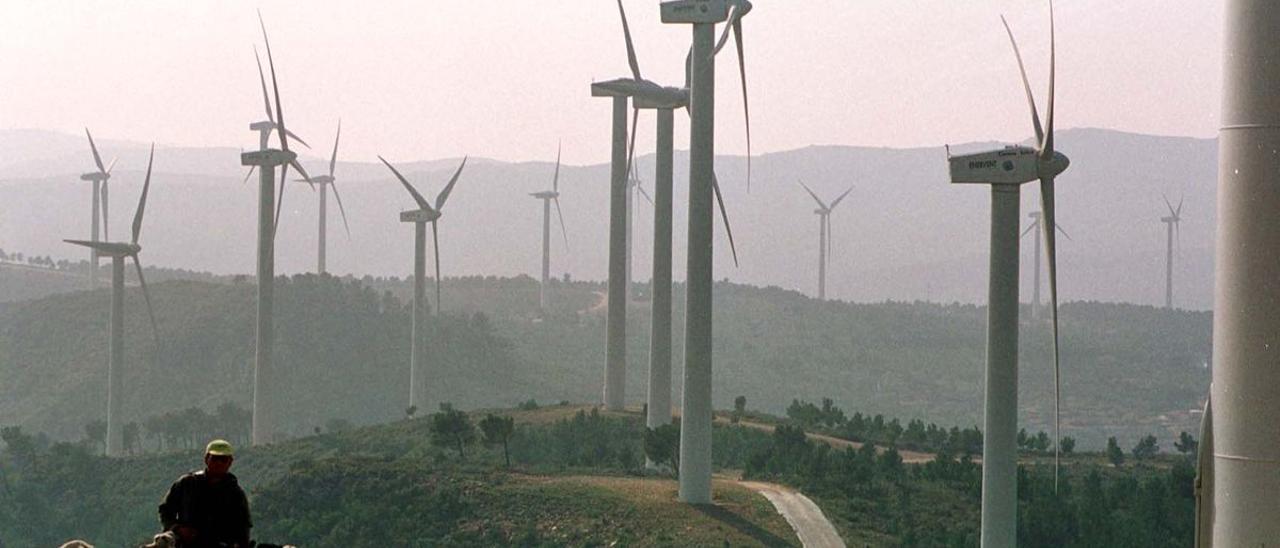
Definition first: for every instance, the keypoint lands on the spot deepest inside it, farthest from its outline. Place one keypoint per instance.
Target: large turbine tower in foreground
(1243, 476)
(695, 430)
(119, 251)
(1006, 170)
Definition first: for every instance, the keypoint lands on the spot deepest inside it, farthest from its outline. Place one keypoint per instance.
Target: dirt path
(810, 524)
(909, 457)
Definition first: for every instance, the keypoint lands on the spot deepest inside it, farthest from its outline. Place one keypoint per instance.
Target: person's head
(218, 456)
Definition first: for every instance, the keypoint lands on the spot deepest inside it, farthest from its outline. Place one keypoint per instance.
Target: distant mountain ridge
(904, 233)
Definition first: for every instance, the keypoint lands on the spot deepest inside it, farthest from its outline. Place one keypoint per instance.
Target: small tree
(1068, 445)
(662, 445)
(498, 430)
(1186, 444)
(1146, 448)
(1114, 453)
(95, 432)
(451, 427)
(1040, 443)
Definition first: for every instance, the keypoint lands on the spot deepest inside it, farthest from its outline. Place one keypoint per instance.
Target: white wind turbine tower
(99, 179)
(1034, 225)
(1006, 170)
(265, 161)
(663, 99)
(325, 182)
(634, 187)
(824, 236)
(695, 431)
(119, 251)
(1171, 227)
(548, 196)
(420, 217)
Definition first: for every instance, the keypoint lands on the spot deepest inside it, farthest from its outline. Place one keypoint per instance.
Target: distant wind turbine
(548, 196)
(1035, 226)
(119, 251)
(100, 205)
(1006, 170)
(695, 431)
(324, 182)
(425, 213)
(266, 160)
(1171, 228)
(824, 236)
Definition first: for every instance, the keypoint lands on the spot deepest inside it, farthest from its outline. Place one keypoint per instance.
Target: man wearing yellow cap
(207, 508)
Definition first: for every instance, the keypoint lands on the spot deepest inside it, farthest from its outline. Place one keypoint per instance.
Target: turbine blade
(275, 88)
(284, 174)
(746, 109)
(341, 209)
(838, 200)
(105, 205)
(560, 214)
(305, 177)
(724, 36)
(333, 160)
(1064, 233)
(111, 165)
(1178, 213)
(448, 189)
(715, 185)
(643, 193)
(142, 201)
(96, 158)
(815, 196)
(1168, 205)
(631, 49)
(248, 175)
(266, 99)
(631, 147)
(555, 181)
(146, 294)
(422, 202)
(1035, 115)
(1046, 147)
(1048, 208)
(435, 240)
(688, 73)
(295, 137)
(1028, 229)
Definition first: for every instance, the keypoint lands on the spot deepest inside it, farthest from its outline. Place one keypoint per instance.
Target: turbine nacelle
(1012, 165)
(419, 216)
(111, 249)
(95, 176)
(318, 179)
(265, 125)
(695, 11)
(267, 158)
(545, 195)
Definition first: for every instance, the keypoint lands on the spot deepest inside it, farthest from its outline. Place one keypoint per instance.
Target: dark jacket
(219, 512)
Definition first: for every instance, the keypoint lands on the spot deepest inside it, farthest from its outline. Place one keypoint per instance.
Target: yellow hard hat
(220, 448)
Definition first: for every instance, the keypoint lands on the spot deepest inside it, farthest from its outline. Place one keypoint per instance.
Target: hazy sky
(506, 79)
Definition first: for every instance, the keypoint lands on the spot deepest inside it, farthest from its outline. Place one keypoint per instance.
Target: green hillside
(343, 353)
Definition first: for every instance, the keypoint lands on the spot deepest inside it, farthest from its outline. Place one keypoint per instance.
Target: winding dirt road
(810, 524)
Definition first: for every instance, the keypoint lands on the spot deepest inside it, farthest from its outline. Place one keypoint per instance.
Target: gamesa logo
(1008, 165)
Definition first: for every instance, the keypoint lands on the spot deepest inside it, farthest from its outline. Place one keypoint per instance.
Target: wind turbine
(1035, 225)
(1171, 226)
(1006, 170)
(99, 179)
(824, 236)
(635, 187)
(425, 213)
(119, 251)
(266, 160)
(324, 182)
(695, 431)
(548, 196)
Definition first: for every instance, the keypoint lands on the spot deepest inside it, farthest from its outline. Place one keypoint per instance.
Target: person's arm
(171, 505)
